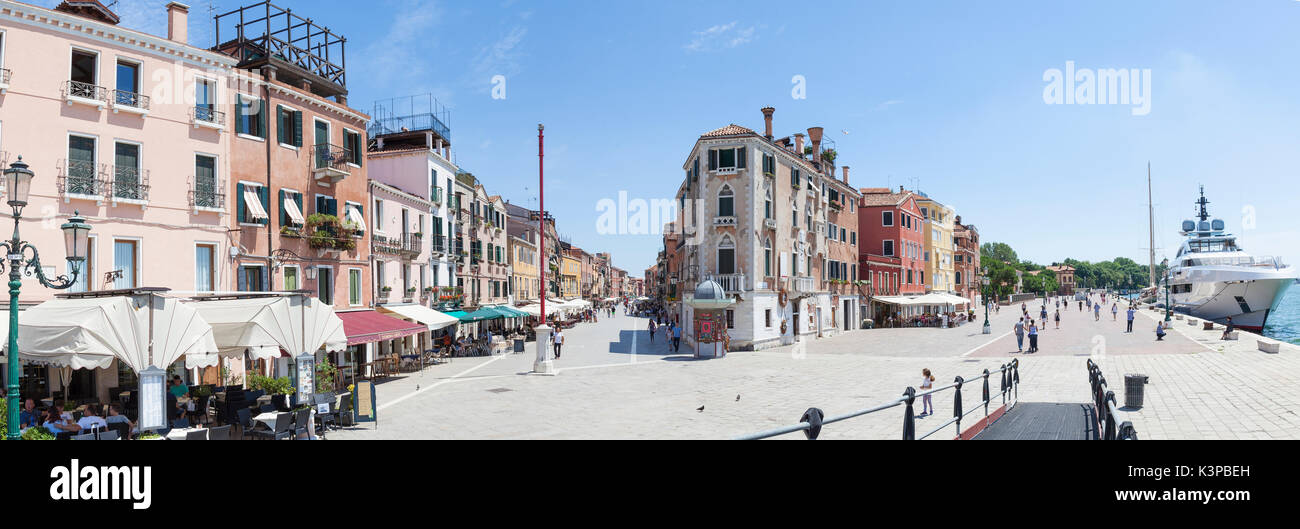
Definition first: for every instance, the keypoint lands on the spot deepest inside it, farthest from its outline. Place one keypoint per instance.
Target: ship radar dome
(1217, 224)
(1189, 225)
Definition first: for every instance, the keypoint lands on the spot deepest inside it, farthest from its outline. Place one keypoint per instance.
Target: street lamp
(1168, 307)
(984, 279)
(18, 180)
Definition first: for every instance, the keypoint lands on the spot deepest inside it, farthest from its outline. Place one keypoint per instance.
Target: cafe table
(178, 434)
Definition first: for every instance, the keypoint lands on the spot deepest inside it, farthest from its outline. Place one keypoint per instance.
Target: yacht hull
(1248, 298)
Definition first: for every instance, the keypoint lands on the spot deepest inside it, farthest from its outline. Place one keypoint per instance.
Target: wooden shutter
(239, 203)
(239, 113)
(264, 194)
(284, 215)
(280, 125)
(713, 160)
(241, 279)
(297, 128)
(740, 158)
(261, 118)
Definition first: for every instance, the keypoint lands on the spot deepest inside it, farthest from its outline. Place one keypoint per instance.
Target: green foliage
(37, 433)
(328, 232)
(272, 386)
(4, 417)
(998, 251)
(149, 435)
(325, 373)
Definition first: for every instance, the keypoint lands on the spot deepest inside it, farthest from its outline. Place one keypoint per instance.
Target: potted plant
(291, 231)
(829, 155)
(37, 433)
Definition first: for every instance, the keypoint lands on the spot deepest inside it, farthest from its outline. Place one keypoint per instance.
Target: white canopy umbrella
(89, 333)
(262, 326)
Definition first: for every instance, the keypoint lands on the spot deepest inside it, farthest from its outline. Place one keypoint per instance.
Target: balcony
(438, 244)
(730, 282)
(208, 118)
(724, 221)
(406, 245)
(206, 195)
(330, 163)
(769, 223)
(805, 285)
(130, 185)
(5, 74)
(85, 94)
(130, 102)
(435, 195)
(80, 179)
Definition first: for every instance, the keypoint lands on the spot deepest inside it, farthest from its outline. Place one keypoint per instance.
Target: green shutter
(239, 204)
(284, 215)
(297, 128)
(279, 128)
(239, 114)
(264, 194)
(261, 118)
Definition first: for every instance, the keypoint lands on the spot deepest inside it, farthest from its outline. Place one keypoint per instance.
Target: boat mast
(1151, 223)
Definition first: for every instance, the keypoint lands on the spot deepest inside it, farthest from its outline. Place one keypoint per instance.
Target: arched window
(726, 256)
(767, 257)
(726, 202)
(767, 204)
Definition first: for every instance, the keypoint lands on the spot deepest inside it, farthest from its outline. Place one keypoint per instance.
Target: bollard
(1002, 387)
(1110, 419)
(986, 393)
(1127, 432)
(1015, 383)
(956, 403)
(909, 422)
(814, 418)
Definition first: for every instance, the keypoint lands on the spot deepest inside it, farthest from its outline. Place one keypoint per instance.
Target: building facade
(891, 252)
(938, 229)
(1064, 279)
(966, 260)
(524, 284)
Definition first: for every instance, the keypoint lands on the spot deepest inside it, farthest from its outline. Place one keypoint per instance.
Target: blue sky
(947, 94)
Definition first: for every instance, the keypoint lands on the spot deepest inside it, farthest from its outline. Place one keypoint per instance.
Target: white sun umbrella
(261, 327)
(89, 333)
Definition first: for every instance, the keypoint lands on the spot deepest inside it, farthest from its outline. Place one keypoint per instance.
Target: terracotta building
(966, 260)
(892, 249)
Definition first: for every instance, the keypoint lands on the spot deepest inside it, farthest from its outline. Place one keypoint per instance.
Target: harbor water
(1284, 323)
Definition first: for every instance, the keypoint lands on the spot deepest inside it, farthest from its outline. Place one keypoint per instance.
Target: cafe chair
(81, 437)
(283, 428)
(220, 433)
(196, 435)
(180, 423)
(106, 435)
(123, 429)
(302, 423)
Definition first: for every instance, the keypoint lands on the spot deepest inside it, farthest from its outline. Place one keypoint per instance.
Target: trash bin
(1133, 389)
(519, 345)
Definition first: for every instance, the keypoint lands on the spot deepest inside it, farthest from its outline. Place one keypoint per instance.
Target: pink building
(123, 127)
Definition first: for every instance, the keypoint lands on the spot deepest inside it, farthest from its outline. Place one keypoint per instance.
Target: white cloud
(501, 57)
(401, 58)
(888, 104)
(720, 37)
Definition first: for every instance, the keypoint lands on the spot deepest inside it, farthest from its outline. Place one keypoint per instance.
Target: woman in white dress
(927, 383)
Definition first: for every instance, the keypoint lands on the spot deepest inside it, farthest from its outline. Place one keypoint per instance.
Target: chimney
(900, 189)
(798, 145)
(815, 134)
(341, 99)
(846, 175)
(178, 19)
(767, 122)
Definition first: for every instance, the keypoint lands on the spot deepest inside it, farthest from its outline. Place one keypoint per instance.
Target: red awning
(365, 326)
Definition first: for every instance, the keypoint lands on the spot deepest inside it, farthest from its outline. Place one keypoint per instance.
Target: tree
(998, 251)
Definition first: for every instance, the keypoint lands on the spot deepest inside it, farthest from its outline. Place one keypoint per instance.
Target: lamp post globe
(18, 181)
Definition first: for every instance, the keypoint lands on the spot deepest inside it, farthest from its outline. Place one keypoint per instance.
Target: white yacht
(1212, 278)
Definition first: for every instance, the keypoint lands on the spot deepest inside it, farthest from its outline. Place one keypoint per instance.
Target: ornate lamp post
(1168, 308)
(18, 180)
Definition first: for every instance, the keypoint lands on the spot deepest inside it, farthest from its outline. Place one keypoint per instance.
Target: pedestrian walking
(1020, 336)
(652, 331)
(1042, 316)
(1131, 311)
(927, 383)
(1058, 319)
(1096, 311)
(677, 338)
(557, 341)
(1114, 311)
(1033, 337)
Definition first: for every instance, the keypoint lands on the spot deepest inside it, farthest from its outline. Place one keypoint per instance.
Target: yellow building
(939, 269)
(570, 277)
(523, 278)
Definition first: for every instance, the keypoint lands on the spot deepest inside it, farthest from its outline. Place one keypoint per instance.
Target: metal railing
(82, 90)
(206, 193)
(1110, 425)
(122, 98)
(208, 115)
(79, 177)
(814, 419)
(130, 183)
(331, 157)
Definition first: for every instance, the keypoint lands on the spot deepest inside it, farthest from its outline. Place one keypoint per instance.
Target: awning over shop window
(366, 326)
(291, 208)
(354, 216)
(254, 204)
(433, 319)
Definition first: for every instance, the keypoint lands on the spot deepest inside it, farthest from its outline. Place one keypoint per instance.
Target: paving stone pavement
(614, 383)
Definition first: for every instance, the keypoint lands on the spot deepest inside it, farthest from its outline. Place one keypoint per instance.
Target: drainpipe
(268, 74)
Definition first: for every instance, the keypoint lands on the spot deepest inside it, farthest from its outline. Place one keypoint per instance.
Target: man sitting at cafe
(30, 415)
(178, 389)
(115, 416)
(90, 419)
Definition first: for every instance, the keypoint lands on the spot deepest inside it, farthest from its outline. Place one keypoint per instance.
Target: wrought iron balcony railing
(130, 183)
(79, 177)
(208, 115)
(438, 243)
(85, 91)
(206, 193)
(331, 157)
(122, 98)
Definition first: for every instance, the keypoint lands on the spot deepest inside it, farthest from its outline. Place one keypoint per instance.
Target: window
(794, 178)
(288, 126)
(82, 171)
(354, 287)
(887, 218)
(291, 208)
(252, 202)
(888, 248)
(128, 84)
(205, 97)
(726, 256)
(251, 279)
(767, 318)
(85, 70)
(352, 146)
(250, 116)
(853, 238)
(727, 159)
(124, 261)
(205, 181)
(767, 257)
(126, 172)
(731, 319)
(291, 278)
(325, 284)
(204, 267)
(726, 202)
(767, 204)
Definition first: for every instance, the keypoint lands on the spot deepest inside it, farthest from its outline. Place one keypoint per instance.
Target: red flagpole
(541, 221)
